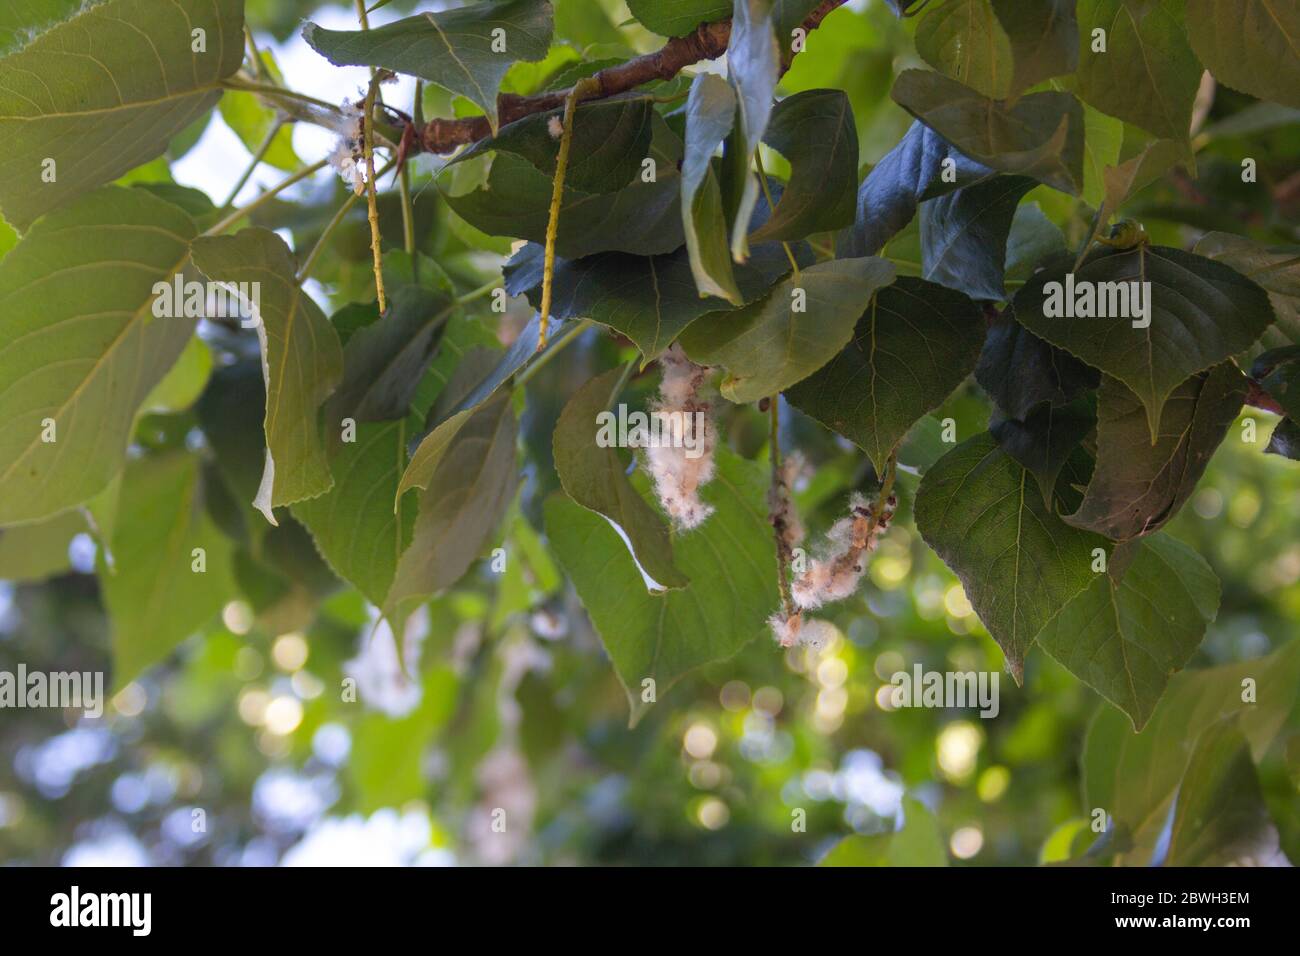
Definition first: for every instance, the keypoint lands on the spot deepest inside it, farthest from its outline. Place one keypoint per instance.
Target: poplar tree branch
(708, 42)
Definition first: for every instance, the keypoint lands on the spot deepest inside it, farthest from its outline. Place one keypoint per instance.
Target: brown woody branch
(708, 42)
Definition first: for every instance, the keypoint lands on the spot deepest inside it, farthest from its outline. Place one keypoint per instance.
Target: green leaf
(1201, 312)
(663, 636)
(252, 123)
(1220, 817)
(921, 166)
(1044, 39)
(1125, 638)
(1044, 441)
(912, 346)
(964, 235)
(595, 477)
(1019, 371)
(1278, 372)
(1121, 182)
(1148, 74)
(1138, 486)
(1133, 776)
(799, 327)
(753, 67)
(453, 48)
(815, 131)
(390, 755)
(475, 380)
(1033, 239)
(611, 138)
(384, 361)
(1285, 440)
(1275, 268)
(1040, 136)
(154, 596)
(22, 20)
(965, 40)
(301, 361)
(1102, 142)
(33, 552)
(650, 299)
(919, 842)
(710, 112)
(79, 343)
(1019, 563)
(182, 386)
(1249, 45)
(675, 18)
(643, 218)
(125, 66)
(461, 508)
(354, 524)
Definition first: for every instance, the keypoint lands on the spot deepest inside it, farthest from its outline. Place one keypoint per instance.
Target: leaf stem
(252, 167)
(238, 214)
(555, 348)
(581, 89)
(333, 224)
(267, 89)
(771, 209)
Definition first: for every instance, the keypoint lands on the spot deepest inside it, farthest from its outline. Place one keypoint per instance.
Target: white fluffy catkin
(835, 574)
(678, 476)
(348, 157)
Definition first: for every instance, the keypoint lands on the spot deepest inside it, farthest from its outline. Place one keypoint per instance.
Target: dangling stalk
(783, 554)
(582, 89)
(372, 197)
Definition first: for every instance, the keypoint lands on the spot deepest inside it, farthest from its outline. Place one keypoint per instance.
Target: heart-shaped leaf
(1249, 45)
(912, 346)
(1138, 486)
(799, 327)
(1198, 313)
(79, 345)
(467, 50)
(1019, 563)
(1124, 638)
(964, 235)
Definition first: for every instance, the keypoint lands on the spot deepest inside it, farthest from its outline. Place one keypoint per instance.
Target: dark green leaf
(453, 48)
(1200, 313)
(643, 218)
(1125, 638)
(611, 138)
(1019, 563)
(1138, 486)
(1148, 74)
(675, 18)
(1285, 440)
(912, 346)
(923, 165)
(1044, 39)
(964, 235)
(460, 509)
(815, 131)
(1044, 441)
(1019, 370)
(1278, 371)
(753, 66)
(1249, 45)
(1040, 136)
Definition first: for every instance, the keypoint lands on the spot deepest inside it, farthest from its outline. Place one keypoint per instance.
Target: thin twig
(266, 197)
(372, 195)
